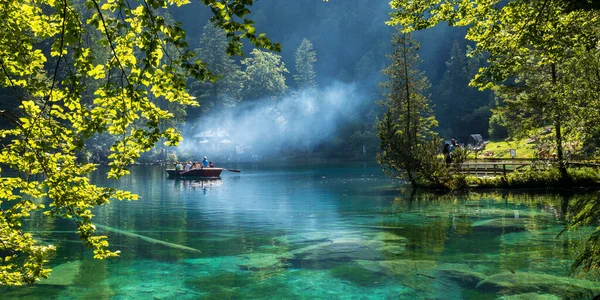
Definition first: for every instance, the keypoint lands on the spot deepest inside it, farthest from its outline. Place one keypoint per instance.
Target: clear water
(314, 232)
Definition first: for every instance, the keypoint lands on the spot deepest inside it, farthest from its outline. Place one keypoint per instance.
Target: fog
(351, 42)
(295, 123)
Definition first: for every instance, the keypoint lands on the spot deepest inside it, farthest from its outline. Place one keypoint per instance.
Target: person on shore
(210, 164)
(447, 156)
(452, 145)
(205, 162)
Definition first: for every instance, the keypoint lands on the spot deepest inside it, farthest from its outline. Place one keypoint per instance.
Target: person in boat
(178, 166)
(210, 164)
(188, 165)
(205, 162)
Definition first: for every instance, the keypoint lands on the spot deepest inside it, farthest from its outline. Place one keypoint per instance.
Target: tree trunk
(564, 176)
(411, 141)
(411, 178)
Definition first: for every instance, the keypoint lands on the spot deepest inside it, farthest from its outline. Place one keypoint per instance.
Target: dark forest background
(351, 41)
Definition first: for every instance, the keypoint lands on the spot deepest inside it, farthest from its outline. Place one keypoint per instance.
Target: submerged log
(147, 239)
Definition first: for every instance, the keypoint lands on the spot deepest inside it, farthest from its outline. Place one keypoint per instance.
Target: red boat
(196, 173)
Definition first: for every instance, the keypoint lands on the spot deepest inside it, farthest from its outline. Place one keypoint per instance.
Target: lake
(314, 231)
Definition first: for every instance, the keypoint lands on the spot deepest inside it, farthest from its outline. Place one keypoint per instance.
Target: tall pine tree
(406, 131)
(461, 110)
(306, 57)
(226, 91)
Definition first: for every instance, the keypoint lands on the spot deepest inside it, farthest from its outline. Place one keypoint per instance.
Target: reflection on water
(204, 185)
(316, 231)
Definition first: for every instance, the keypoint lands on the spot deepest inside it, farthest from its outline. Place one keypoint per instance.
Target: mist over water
(351, 43)
(295, 123)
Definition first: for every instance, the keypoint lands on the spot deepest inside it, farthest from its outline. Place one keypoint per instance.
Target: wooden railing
(505, 166)
(491, 168)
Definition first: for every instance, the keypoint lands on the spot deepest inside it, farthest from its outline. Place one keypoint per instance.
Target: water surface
(289, 231)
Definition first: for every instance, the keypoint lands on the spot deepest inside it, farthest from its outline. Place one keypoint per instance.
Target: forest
(337, 50)
(348, 47)
(89, 82)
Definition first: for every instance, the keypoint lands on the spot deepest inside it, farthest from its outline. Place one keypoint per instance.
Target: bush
(535, 178)
(585, 176)
(485, 182)
(497, 128)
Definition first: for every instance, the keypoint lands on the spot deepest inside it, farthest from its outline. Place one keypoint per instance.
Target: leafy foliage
(497, 127)
(264, 75)
(72, 88)
(543, 62)
(584, 212)
(546, 177)
(530, 45)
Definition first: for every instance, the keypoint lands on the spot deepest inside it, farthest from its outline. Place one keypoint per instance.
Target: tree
(55, 121)
(306, 57)
(528, 44)
(264, 75)
(572, 5)
(406, 131)
(537, 51)
(460, 109)
(582, 75)
(497, 127)
(225, 92)
(584, 212)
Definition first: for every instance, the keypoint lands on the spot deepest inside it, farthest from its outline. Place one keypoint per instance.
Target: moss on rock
(464, 278)
(520, 282)
(389, 237)
(530, 296)
(399, 267)
(262, 261)
(515, 224)
(63, 274)
(347, 249)
(356, 274)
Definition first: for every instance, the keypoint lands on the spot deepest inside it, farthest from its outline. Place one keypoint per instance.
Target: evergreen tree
(306, 57)
(406, 131)
(461, 109)
(226, 90)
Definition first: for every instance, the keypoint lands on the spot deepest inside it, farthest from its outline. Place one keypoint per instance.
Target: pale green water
(314, 232)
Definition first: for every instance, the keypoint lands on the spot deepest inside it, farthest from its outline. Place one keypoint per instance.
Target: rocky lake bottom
(316, 232)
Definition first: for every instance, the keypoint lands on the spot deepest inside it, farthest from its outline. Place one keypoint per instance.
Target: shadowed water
(314, 232)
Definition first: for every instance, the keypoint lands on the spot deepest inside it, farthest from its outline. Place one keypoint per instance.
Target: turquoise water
(314, 232)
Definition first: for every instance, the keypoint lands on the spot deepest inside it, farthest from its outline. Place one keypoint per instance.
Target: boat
(196, 173)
